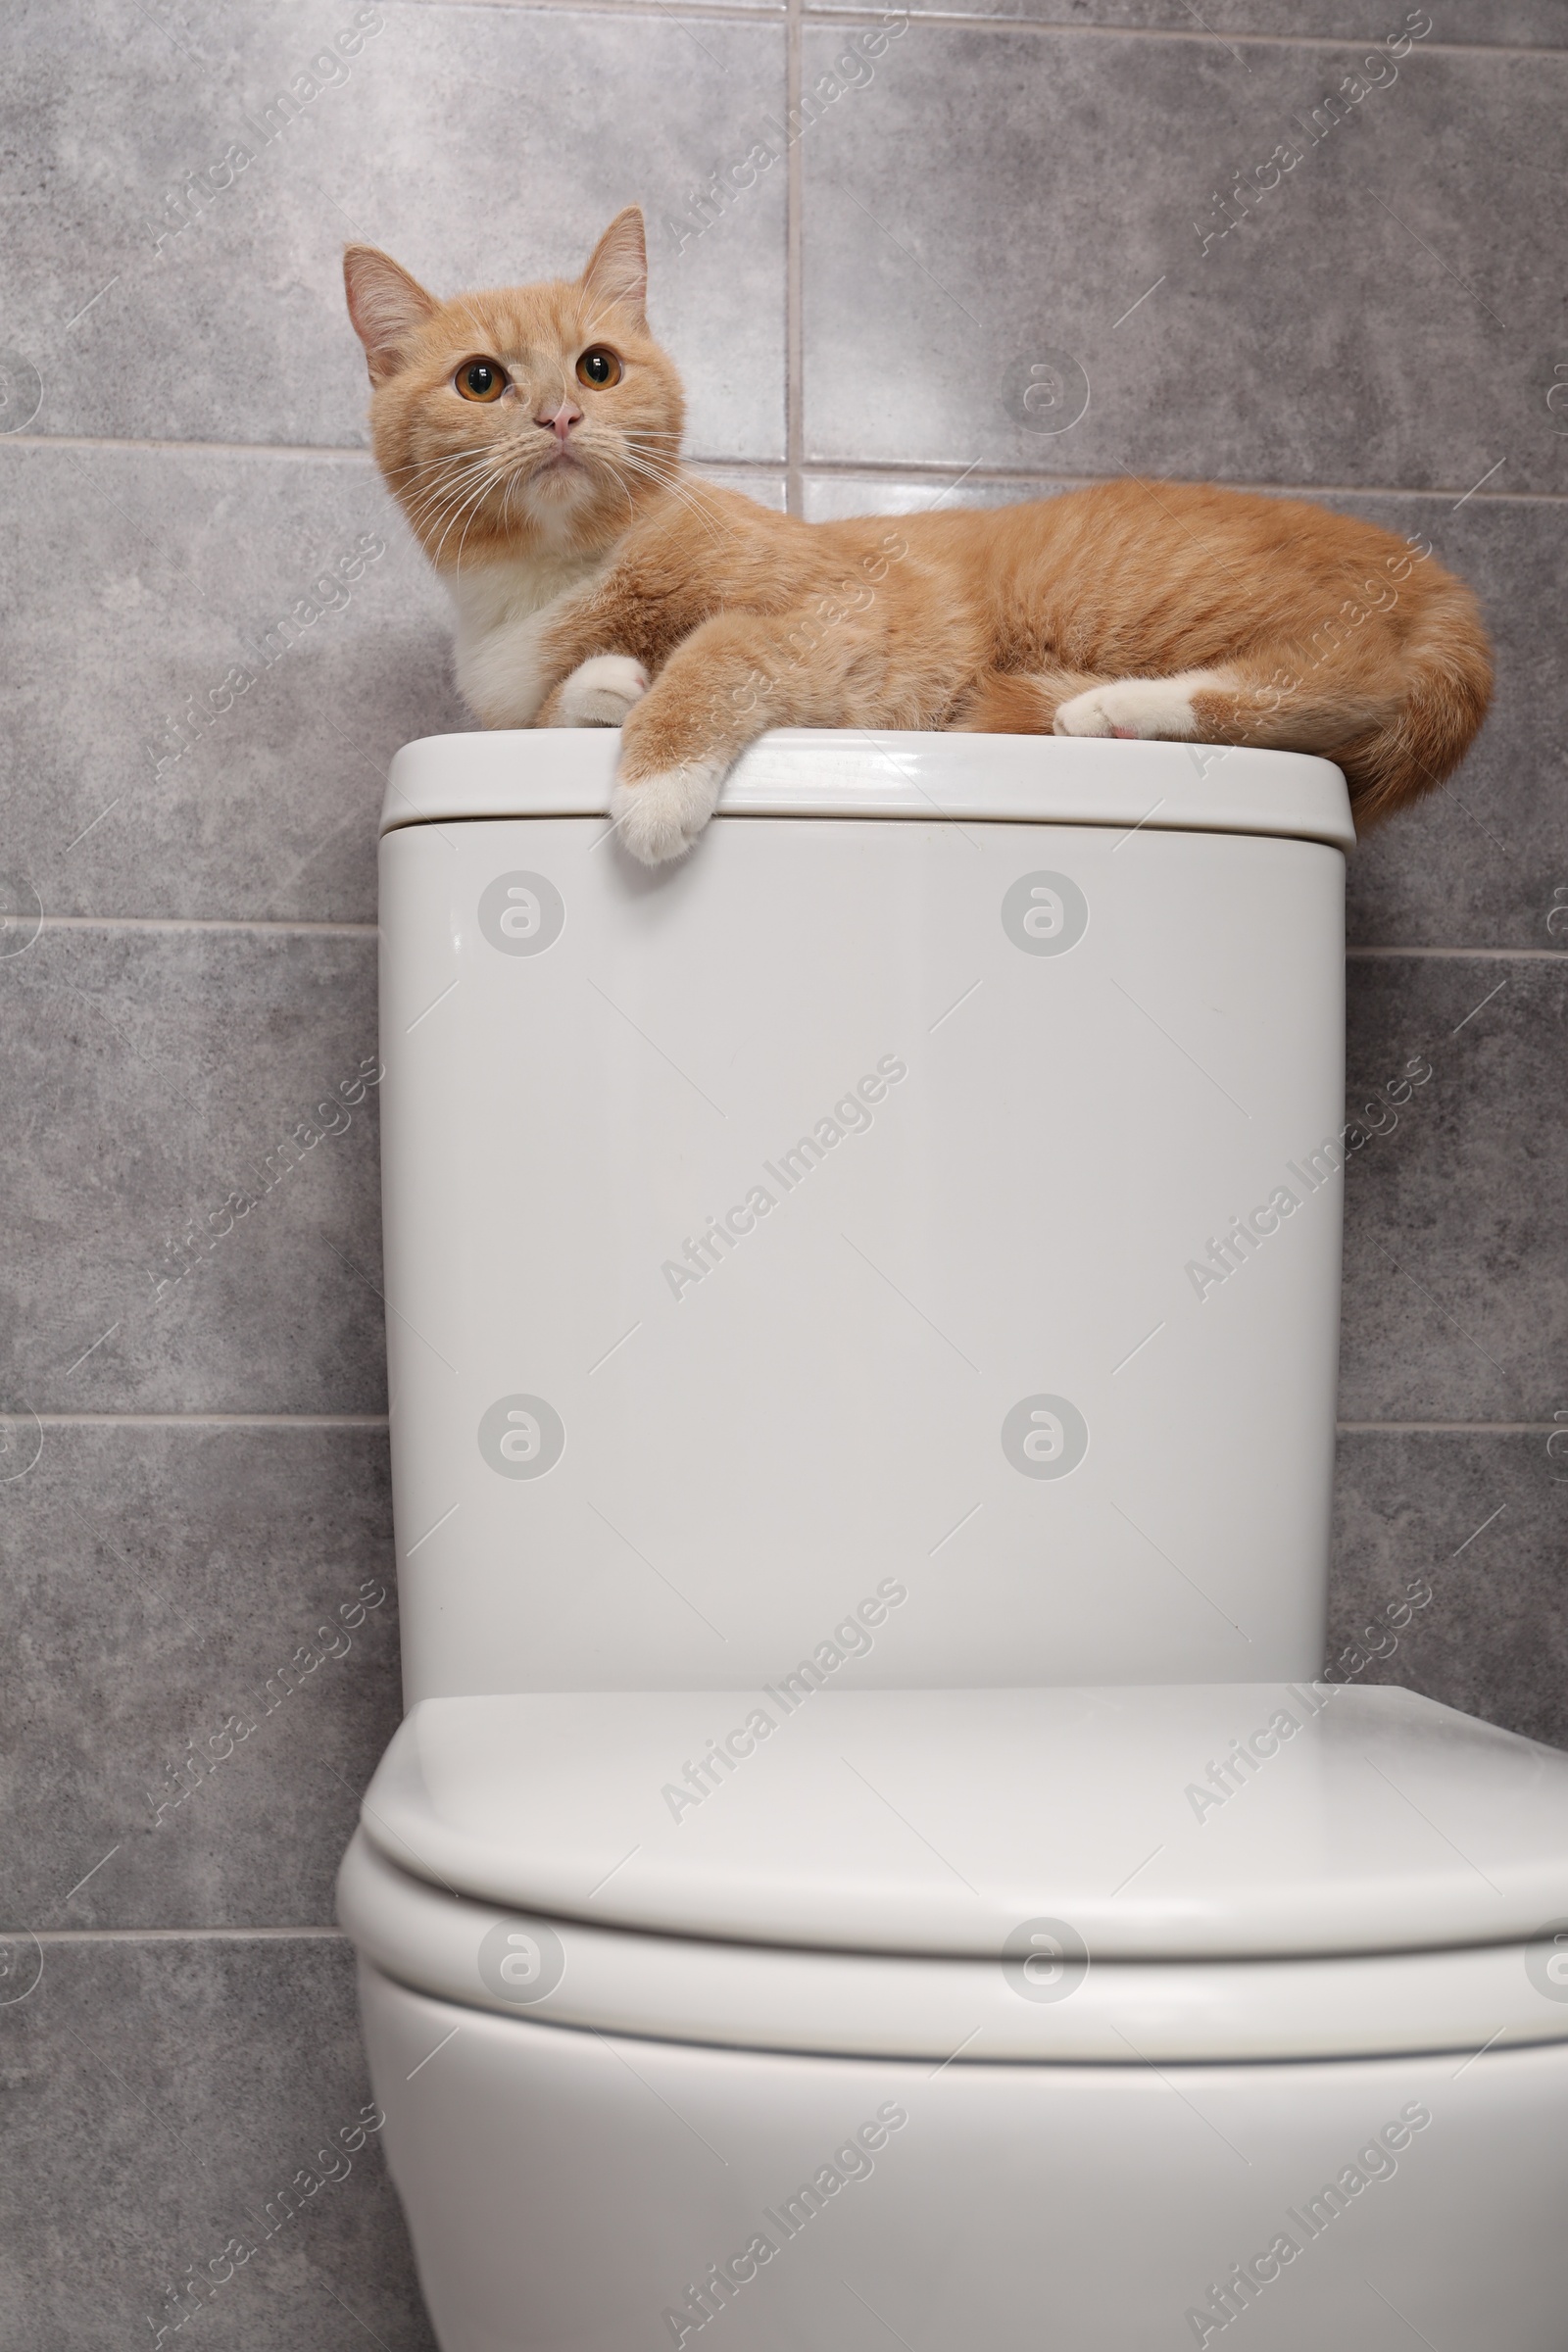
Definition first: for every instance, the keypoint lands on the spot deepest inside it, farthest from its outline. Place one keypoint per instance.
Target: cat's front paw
(659, 817)
(601, 692)
(1158, 708)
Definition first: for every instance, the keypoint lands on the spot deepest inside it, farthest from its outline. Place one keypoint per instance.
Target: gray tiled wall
(194, 1510)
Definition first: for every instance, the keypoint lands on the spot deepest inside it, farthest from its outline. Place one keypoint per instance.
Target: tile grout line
(955, 19)
(1460, 955)
(183, 1935)
(222, 449)
(339, 451)
(767, 12)
(871, 469)
(213, 1420)
(1439, 1429)
(952, 20)
(204, 922)
(794, 327)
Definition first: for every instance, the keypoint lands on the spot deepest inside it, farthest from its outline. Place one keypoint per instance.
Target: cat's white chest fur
(503, 611)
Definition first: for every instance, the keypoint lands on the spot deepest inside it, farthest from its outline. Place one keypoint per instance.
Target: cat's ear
(617, 271)
(387, 305)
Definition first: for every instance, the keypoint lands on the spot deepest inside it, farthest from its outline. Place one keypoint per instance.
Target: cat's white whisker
(475, 505)
(452, 480)
(438, 468)
(454, 494)
(474, 498)
(682, 492)
(624, 487)
(440, 518)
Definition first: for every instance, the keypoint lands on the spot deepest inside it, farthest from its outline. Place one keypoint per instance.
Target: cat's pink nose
(562, 422)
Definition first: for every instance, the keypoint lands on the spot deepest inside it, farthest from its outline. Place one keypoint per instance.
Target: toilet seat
(980, 1875)
(878, 2005)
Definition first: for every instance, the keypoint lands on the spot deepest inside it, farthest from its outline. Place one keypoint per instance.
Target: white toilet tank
(900, 1244)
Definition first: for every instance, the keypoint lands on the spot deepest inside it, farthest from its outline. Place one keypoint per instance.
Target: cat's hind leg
(1164, 709)
(1019, 702)
(1261, 699)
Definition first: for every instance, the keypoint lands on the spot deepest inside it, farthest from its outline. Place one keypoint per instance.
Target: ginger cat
(532, 439)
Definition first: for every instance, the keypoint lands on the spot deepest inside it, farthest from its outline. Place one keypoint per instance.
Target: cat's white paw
(599, 692)
(1160, 709)
(660, 816)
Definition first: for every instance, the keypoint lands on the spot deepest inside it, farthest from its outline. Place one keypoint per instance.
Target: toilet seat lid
(891, 774)
(1217, 1820)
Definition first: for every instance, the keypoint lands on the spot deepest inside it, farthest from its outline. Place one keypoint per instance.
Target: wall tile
(208, 1677)
(832, 497)
(1480, 1518)
(150, 1074)
(165, 2094)
(1455, 1309)
(482, 145)
(1384, 315)
(759, 482)
(185, 740)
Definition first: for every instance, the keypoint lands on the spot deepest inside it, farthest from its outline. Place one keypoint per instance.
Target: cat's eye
(599, 367)
(481, 380)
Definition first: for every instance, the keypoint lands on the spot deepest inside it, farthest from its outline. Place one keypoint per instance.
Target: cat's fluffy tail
(1447, 688)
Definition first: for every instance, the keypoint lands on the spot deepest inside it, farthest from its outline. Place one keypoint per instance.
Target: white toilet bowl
(854, 1869)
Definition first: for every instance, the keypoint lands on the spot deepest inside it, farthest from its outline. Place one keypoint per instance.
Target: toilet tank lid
(846, 771)
(1163, 1823)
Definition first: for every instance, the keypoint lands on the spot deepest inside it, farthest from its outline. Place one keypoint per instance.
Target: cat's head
(536, 418)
